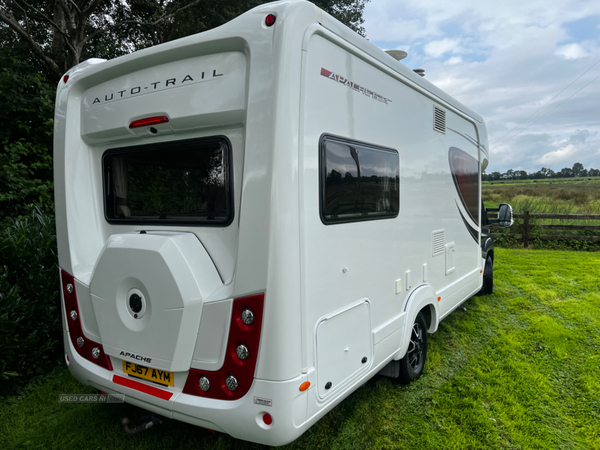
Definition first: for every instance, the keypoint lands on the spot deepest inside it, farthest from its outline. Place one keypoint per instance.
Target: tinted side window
(181, 182)
(465, 172)
(358, 181)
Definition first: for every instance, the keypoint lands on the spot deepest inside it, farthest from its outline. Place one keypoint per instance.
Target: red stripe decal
(131, 384)
(325, 72)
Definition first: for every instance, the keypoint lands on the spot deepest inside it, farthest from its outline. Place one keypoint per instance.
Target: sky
(505, 60)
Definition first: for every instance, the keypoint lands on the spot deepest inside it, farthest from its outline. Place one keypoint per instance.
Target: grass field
(557, 196)
(519, 370)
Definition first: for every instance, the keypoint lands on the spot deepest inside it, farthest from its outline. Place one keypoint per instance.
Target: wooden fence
(530, 227)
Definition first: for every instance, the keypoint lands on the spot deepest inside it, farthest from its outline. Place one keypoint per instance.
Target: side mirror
(505, 215)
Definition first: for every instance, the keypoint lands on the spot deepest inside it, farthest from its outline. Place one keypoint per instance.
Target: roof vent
(397, 54)
(420, 72)
(439, 119)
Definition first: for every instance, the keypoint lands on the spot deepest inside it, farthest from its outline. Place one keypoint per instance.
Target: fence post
(526, 229)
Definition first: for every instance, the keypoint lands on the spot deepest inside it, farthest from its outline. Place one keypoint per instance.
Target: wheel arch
(421, 299)
(487, 247)
(430, 314)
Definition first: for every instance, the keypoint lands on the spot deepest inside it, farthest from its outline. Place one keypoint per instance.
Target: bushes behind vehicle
(30, 323)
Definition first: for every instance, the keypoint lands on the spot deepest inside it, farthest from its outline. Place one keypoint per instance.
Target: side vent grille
(439, 119)
(438, 242)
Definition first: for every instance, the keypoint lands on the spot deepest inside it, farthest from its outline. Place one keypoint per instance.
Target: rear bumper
(241, 418)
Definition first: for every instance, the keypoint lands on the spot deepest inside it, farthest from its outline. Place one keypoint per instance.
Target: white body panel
(339, 299)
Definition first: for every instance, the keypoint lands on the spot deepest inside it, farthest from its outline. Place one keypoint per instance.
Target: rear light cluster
(234, 379)
(88, 349)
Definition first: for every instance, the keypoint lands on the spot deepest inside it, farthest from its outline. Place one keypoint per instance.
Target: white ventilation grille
(439, 119)
(438, 242)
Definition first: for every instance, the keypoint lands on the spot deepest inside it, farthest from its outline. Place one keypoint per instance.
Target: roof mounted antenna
(420, 72)
(397, 54)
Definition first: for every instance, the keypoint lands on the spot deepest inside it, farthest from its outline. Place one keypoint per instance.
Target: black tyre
(413, 363)
(488, 277)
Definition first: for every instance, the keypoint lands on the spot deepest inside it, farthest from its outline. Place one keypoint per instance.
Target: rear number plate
(147, 373)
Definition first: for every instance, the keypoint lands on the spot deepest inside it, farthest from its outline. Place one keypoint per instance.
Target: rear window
(358, 181)
(181, 182)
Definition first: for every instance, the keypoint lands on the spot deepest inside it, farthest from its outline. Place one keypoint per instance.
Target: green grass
(519, 370)
(558, 196)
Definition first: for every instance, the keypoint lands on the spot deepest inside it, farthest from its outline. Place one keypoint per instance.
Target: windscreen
(181, 182)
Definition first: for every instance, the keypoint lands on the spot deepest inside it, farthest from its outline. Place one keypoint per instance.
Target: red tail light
(148, 121)
(90, 350)
(234, 379)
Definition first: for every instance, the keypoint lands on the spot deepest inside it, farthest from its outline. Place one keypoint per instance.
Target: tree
(54, 31)
(58, 31)
(578, 169)
(62, 33)
(565, 173)
(27, 101)
(349, 12)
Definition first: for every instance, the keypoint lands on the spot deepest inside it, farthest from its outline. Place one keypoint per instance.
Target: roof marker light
(66, 78)
(270, 20)
(148, 121)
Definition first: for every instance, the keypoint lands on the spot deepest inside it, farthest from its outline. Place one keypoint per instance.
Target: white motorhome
(255, 220)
